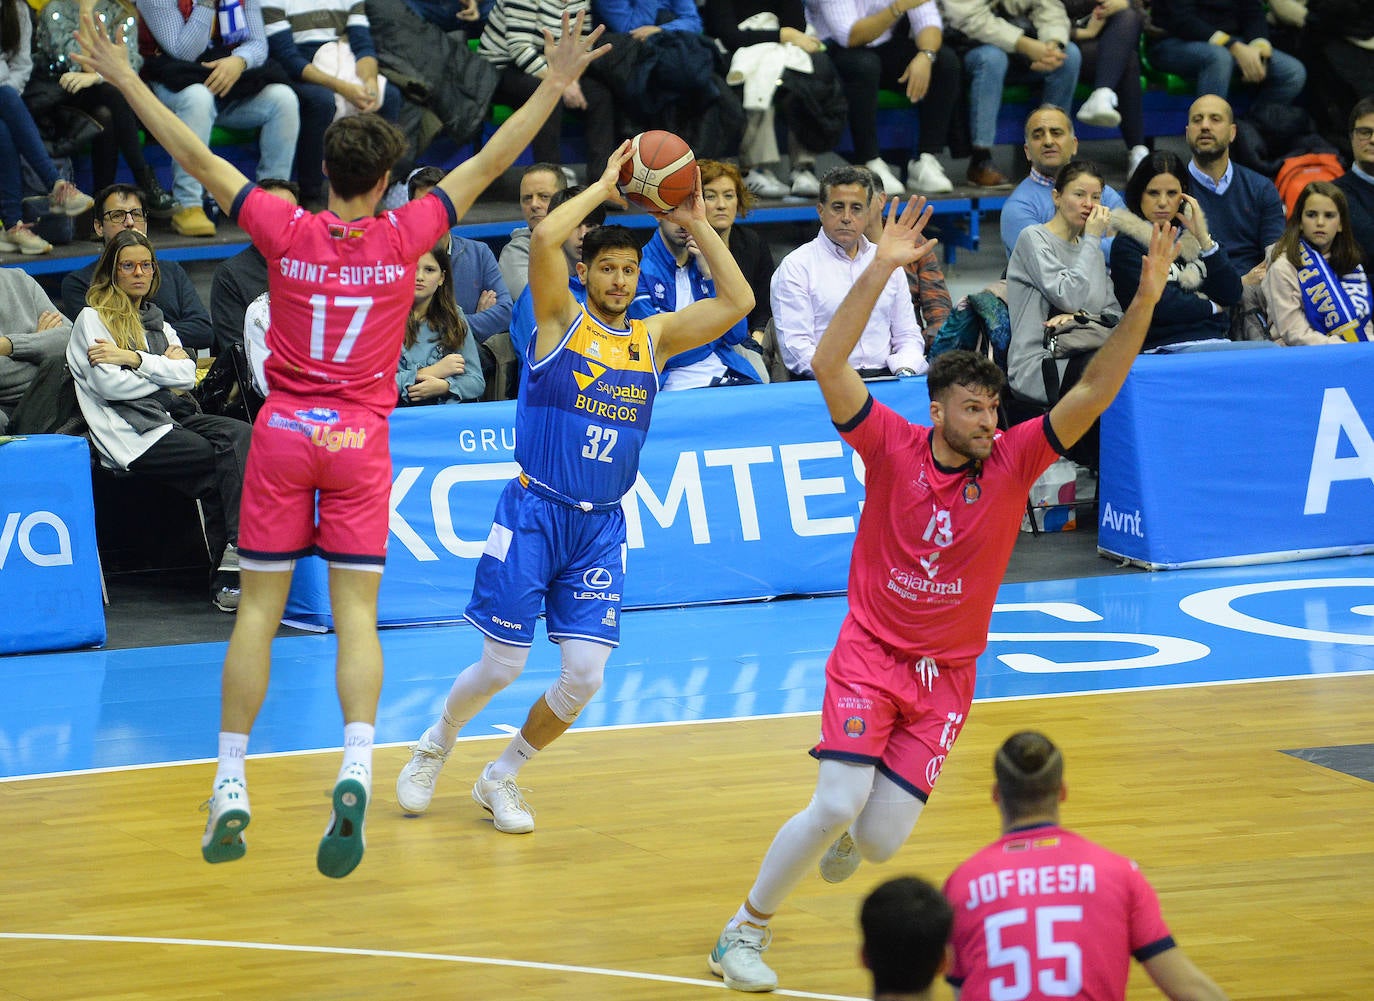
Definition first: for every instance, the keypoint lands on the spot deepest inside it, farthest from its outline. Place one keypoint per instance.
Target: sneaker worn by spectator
(68, 199)
(226, 585)
(191, 220)
(804, 183)
(1134, 157)
(21, 239)
(738, 958)
(1100, 109)
(765, 184)
(884, 172)
(501, 798)
(925, 176)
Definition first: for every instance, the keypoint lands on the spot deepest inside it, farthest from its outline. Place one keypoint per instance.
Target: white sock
(358, 746)
(515, 757)
(233, 750)
(744, 916)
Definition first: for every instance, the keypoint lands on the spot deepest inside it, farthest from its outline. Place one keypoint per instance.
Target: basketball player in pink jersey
(1043, 913)
(341, 283)
(942, 511)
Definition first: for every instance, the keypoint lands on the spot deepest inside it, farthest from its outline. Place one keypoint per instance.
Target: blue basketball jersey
(584, 410)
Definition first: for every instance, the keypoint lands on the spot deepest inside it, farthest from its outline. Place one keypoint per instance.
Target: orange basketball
(661, 173)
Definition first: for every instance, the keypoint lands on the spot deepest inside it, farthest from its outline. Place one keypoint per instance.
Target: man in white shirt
(810, 283)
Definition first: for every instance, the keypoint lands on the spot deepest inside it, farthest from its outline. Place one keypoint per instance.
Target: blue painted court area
(74, 711)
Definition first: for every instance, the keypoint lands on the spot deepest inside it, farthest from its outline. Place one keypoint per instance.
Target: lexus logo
(597, 578)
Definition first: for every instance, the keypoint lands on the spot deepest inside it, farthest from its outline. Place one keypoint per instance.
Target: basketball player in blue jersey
(558, 537)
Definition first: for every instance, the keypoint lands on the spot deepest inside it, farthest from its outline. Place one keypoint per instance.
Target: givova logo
(42, 536)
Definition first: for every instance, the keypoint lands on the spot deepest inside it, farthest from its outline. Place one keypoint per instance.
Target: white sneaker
(21, 239)
(343, 844)
(925, 176)
(887, 177)
(805, 185)
(1134, 158)
(765, 184)
(229, 815)
(501, 798)
(840, 860)
(738, 959)
(1100, 109)
(415, 784)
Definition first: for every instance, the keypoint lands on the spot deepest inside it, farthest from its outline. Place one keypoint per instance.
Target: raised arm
(98, 54)
(706, 319)
(567, 58)
(903, 242)
(554, 305)
(1102, 379)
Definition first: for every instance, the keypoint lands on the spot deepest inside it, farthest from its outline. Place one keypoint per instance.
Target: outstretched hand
(610, 177)
(96, 52)
(571, 53)
(691, 209)
(903, 241)
(1154, 268)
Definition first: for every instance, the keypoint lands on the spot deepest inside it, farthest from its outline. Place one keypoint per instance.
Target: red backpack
(1297, 172)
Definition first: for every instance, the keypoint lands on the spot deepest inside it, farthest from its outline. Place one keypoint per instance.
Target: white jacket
(96, 385)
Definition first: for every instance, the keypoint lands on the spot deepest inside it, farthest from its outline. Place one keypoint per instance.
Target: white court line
(504, 730)
(436, 957)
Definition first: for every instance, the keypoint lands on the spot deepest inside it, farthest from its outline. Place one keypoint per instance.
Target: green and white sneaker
(738, 959)
(840, 860)
(341, 848)
(229, 815)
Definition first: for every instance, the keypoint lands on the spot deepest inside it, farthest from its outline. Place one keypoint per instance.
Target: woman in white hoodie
(126, 362)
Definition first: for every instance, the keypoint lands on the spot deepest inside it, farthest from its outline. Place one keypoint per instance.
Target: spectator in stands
(53, 43)
(1050, 144)
(1334, 41)
(991, 32)
(1203, 283)
(1116, 912)
(1207, 41)
(513, 42)
(118, 208)
(1242, 205)
(901, 46)
(642, 18)
(926, 282)
(811, 282)
(439, 361)
(209, 77)
(538, 184)
(522, 318)
(451, 15)
(754, 34)
(478, 287)
(32, 332)
(906, 924)
(1109, 40)
(19, 139)
(242, 278)
(728, 199)
(1057, 270)
(326, 49)
(1358, 181)
(673, 274)
(1316, 289)
(125, 359)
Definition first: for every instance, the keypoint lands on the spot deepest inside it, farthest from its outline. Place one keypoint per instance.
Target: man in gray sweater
(31, 332)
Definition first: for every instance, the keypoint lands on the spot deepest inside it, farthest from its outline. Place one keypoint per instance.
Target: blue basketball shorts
(543, 554)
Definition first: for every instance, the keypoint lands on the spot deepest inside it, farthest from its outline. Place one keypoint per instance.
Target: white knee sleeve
(584, 665)
(886, 821)
(501, 663)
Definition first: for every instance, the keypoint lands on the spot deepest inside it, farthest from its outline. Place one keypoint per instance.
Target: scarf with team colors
(1333, 305)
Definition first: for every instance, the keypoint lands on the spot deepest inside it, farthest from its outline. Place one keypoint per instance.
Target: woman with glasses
(127, 365)
(19, 139)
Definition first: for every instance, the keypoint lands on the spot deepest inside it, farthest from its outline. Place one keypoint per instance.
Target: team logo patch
(855, 726)
(585, 379)
(933, 769)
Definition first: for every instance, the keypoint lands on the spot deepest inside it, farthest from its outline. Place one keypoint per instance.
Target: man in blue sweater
(1243, 209)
